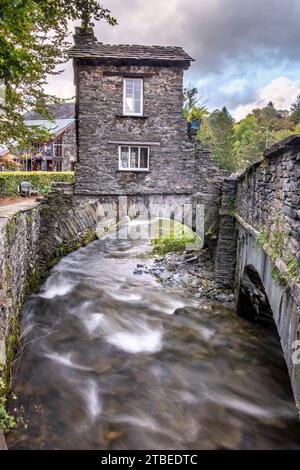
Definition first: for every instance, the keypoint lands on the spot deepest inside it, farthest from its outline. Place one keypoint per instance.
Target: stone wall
(208, 184)
(284, 298)
(226, 247)
(100, 109)
(69, 217)
(260, 233)
(271, 188)
(19, 257)
(69, 220)
(267, 199)
(69, 142)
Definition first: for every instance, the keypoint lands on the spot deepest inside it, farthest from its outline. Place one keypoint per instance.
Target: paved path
(8, 211)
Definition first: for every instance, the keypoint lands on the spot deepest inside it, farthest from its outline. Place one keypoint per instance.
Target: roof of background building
(129, 51)
(60, 111)
(3, 150)
(55, 127)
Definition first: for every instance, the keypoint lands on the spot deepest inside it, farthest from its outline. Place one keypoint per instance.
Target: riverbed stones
(165, 275)
(138, 271)
(196, 278)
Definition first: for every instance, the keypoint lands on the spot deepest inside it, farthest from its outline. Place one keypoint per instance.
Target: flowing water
(117, 361)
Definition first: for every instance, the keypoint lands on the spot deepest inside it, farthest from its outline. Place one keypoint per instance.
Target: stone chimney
(84, 36)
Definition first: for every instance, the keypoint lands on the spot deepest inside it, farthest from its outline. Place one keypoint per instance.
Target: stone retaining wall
(260, 230)
(226, 248)
(19, 258)
(272, 187)
(267, 199)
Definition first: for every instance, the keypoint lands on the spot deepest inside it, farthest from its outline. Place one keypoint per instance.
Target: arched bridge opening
(252, 301)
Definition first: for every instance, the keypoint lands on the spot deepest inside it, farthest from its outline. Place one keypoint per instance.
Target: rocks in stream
(138, 271)
(165, 275)
(193, 271)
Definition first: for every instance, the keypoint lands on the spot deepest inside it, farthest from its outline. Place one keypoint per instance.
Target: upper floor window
(133, 96)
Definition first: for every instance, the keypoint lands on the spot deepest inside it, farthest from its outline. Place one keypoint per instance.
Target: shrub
(162, 246)
(41, 180)
(170, 236)
(7, 421)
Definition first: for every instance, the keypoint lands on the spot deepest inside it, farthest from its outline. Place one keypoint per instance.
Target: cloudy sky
(246, 51)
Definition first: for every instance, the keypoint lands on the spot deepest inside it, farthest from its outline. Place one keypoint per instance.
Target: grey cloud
(226, 37)
(215, 32)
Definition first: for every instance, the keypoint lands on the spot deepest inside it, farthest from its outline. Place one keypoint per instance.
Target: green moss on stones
(29, 218)
(7, 421)
(275, 238)
(171, 236)
(11, 228)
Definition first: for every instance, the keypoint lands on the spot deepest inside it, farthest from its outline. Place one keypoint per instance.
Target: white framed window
(133, 158)
(133, 90)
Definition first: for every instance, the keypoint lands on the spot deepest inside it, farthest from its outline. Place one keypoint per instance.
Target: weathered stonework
(273, 187)
(100, 102)
(178, 166)
(102, 126)
(69, 145)
(19, 257)
(265, 190)
(226, 246)
(260, 233)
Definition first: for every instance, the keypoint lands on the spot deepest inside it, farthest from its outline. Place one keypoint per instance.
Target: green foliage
(7, 421)
(193, 108)
(32, 45)
(249, 141)
(279, 277)
(295, 111)
(11, 229)
(171, 244)
(274, 236)
(41, 180)
(170, 236)
(235, 145)
(292, 267)
(217, 133)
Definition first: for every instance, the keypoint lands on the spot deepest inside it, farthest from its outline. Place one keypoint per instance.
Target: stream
(115, 360)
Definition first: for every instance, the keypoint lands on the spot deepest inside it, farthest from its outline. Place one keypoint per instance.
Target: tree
(271, 119)
(32, 44)
(295, 111)
(218, 134)
(249, 141)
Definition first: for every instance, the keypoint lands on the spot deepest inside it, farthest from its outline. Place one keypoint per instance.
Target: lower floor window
(133, 158)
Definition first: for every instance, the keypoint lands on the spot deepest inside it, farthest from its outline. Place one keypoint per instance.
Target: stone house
(131, 135)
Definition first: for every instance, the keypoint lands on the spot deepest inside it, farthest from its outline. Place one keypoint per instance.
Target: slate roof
(3, 150)
(54, 127)
(129, 51)
(60, 111)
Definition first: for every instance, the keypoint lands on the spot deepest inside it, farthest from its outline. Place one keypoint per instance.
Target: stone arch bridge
(258, 248)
